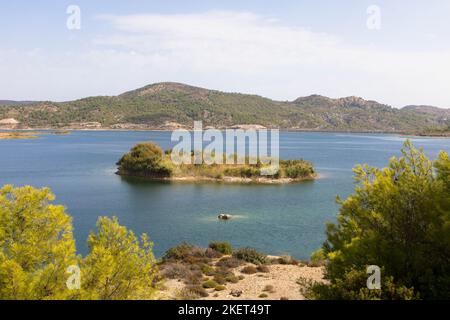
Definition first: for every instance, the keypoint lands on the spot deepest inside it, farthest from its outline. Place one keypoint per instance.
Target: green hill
(169, 105)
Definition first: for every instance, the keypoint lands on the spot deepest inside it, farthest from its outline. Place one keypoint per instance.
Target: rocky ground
(213, 276)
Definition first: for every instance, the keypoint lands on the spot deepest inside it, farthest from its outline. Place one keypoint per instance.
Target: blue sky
(279, 49)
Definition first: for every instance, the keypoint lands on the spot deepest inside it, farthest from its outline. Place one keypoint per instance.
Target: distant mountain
(441, 115)
(173, 105)
(15, 103)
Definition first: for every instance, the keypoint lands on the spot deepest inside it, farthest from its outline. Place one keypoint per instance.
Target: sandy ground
(283, 279)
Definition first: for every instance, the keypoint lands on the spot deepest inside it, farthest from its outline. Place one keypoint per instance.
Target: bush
(249, 270)
(220, 288)
(207, 270)
(353, 287)
(176, 271)
(296, 168)
(318, 258)
(243, 172)
(263, 295)
(222, 247)
(232, 278)
(180, 252)
(229, 262)
(192, 292)
(286, 259)
(144, 159)
(212, 254)
(209, 284)
(399, 219)
(250, 255)
(220, 279)
(193, 278)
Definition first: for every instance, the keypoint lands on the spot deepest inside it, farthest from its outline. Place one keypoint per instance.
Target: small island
(14, 135)
(147, 160)
(24, 134)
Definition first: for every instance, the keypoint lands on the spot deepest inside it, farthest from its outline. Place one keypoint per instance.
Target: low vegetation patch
(209, 284)
(221, 247)
(193, 292)
(249, 270)
(229, 262)
(250, 255)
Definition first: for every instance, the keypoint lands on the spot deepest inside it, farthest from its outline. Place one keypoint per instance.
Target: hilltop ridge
(169, 105)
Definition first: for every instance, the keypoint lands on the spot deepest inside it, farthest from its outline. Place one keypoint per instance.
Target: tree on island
(144, 159)
(398, 219)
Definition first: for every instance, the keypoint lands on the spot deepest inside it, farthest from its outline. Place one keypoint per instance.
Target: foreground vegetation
(398, 219)
(148, 160)
(38, 254)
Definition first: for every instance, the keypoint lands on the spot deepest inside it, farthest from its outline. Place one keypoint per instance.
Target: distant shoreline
(38, 131)
(190, 129)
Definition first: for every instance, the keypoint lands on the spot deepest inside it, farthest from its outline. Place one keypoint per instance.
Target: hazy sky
(278, 49)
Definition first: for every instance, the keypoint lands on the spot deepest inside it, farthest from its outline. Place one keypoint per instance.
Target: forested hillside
(171, 105)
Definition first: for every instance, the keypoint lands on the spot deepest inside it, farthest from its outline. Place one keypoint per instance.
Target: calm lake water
(276, 219)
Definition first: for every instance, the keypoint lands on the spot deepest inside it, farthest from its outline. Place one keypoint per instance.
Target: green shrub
(209, 284)
(222, 247)
(243, 172)
(399, 219)
(193, 291)
(212, 254)
(296, 168)
(175, 271)
(220, 288)
(144, 159)
(179, 252)
(208, 270)
(318, 258)
(263, 295)
(250, 255)
(229, 262)
(220, 279)
(232, 278)
(353, 286)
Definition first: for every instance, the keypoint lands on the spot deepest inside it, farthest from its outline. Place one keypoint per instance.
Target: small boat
(224, 216)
